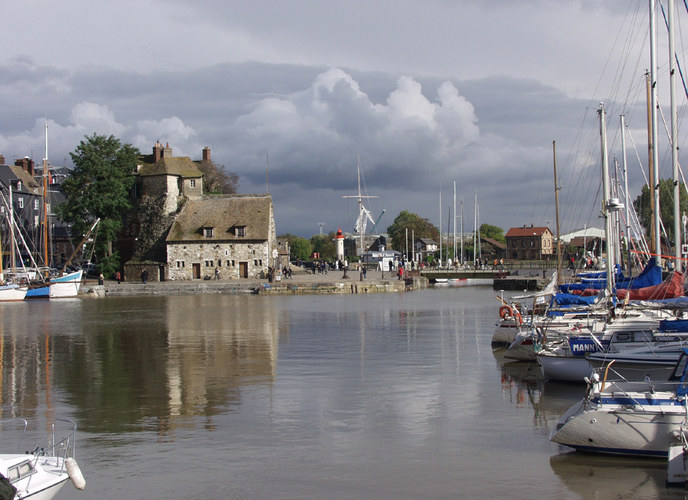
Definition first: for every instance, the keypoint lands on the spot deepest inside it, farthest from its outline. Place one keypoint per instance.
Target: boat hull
(644, 430)
(11, 293)
(564, 368)
(66, 286)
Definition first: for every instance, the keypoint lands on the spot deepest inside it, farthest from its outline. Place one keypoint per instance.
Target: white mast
(674, 140)
(440, 227)
(475, 226)
(454, 205)
(605, 201)
(653, 119)
(461, 232)
(627, 200)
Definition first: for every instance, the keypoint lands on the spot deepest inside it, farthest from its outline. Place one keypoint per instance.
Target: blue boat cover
(651, 275)
(673, 325)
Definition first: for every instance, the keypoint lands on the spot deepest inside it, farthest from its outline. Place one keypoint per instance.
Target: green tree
(300, 248)
(416, 225)
(666, 206)
(99, 187)
(325, 246)
(493, 232)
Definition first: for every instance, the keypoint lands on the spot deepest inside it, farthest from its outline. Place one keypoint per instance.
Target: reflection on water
(593, 476)
(152, 360)
(380, 396)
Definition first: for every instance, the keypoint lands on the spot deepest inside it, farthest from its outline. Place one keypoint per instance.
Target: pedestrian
(217, 273)
(118, 277)
(400, 273)
(101, 279)
(144, 275)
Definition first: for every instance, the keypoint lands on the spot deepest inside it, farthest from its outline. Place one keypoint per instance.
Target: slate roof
(12, 172)
(223, 214)
(516, 232)
(182, 166)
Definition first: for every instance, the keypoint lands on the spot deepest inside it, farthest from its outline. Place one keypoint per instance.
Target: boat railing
(63, 447)
(16, 422)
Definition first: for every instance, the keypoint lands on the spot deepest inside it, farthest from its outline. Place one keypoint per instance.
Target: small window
(219, 263)
(230, 263)
(18, 185)
(36, 204)
(192, 183)
(241, 231)
(233, 264)
(209, 263)
(21, 202)
(36, 221)
(208, 232)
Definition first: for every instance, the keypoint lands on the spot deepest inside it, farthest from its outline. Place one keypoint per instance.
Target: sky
(293, 95)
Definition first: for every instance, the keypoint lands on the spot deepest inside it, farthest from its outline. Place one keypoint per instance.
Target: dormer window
(18, 185)
(240, 231)
(208, 232)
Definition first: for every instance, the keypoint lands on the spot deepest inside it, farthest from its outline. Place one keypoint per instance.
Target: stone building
(234, 234)
(178, 233)
(529, 243)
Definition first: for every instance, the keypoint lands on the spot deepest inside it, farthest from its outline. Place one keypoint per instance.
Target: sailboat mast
(13, 259)
(653, 117)
(556, 202)
(45, 202)
(454, 205)
(627, 200)
(605, 202)
(461, 232)
(440, 228)
(674, 140)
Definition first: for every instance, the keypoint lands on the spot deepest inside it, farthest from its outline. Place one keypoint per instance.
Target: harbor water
(289, 397)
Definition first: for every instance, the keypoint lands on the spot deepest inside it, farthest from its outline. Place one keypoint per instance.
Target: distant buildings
(529, 243)
(21, 185)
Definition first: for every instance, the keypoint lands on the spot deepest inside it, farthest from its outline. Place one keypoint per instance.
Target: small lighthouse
(339, 242)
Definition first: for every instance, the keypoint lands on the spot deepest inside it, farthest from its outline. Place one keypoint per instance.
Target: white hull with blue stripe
(67, 285)
(627, 418)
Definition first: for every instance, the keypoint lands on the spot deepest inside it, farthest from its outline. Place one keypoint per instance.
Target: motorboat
(655, 359)
(39, 474)
(626, 417)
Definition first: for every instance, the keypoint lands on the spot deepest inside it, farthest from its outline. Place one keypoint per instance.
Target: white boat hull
(11, 293)
(66, 286)
(640, 427)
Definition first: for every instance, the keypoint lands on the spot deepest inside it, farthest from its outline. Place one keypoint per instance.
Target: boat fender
(518, 318)
(75, 473)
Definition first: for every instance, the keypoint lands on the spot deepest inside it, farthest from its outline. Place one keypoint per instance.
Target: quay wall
(288, 287)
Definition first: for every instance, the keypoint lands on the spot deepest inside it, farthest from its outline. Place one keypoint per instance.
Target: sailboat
(67, 284)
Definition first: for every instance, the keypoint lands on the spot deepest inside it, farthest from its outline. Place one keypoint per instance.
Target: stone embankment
(301, 284)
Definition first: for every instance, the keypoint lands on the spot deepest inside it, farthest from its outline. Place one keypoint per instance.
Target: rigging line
(635, 150)
(678, 63)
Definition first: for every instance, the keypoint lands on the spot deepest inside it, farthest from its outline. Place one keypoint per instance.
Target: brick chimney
(206, 154)
(157, 152)
(2, 159)
(26, 164)
(167, 151)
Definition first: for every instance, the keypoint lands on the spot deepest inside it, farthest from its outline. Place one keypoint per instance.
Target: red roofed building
(529, 243)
